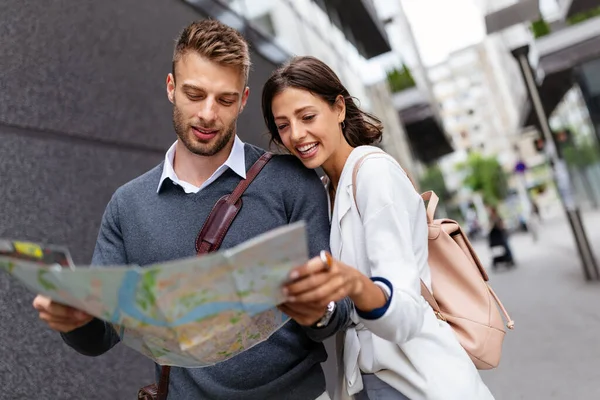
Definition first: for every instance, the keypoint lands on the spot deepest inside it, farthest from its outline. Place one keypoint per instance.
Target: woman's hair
(313, 75)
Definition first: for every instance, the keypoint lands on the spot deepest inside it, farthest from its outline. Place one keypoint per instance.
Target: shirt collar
(236, 162)
(237, 158)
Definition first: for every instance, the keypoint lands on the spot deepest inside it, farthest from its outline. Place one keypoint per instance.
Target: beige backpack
(461, 294)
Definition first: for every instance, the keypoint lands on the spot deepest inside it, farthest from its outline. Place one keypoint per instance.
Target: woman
(498, 239)
(396, 348)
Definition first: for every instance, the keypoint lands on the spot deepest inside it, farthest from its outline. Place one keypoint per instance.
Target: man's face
(207, 100)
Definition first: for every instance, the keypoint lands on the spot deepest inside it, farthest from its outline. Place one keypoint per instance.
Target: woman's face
(309, 128)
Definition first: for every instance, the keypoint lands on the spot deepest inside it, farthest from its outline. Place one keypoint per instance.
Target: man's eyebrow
(189, 86)
(193, 87)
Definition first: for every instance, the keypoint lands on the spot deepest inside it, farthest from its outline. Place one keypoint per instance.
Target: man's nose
(208, 111)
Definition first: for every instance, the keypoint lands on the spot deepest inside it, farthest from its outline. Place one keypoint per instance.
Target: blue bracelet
(378, 312)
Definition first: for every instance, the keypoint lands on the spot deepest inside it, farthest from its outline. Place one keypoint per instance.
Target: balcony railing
(541, 28)
(583, 16)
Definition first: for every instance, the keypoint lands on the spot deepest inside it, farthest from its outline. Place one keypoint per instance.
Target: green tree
(581, 156)
(486, 176)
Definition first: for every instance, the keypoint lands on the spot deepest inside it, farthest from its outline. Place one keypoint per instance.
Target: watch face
(325, 320)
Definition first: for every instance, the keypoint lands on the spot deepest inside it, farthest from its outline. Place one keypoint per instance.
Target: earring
(343, 125)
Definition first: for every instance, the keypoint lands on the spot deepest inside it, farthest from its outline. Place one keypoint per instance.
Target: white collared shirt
(236, 162)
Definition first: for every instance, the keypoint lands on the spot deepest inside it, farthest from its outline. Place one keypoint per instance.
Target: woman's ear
(340, 107)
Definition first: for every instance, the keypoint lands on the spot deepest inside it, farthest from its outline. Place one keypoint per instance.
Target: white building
(303, 27)
(565, 59)
(476, 105)
(416, 106)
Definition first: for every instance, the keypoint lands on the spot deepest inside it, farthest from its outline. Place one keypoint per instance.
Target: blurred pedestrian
(498, 240)
(534, 221)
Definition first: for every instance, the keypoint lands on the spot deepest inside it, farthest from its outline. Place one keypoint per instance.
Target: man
(157, 216)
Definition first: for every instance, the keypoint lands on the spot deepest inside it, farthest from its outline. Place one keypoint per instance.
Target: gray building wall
(83, 109)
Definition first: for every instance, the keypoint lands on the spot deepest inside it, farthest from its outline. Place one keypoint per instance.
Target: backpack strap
(359, 162)
(432, 301)
(211, 236)
(433, 200)
(357, 166)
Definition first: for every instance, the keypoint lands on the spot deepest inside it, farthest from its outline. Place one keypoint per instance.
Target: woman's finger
(313, 266)
(322, 294)
(306, 284)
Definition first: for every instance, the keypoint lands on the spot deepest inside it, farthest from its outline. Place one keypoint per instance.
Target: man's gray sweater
(141, 226)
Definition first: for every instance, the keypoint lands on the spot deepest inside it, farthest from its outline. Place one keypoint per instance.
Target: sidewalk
(554, 351)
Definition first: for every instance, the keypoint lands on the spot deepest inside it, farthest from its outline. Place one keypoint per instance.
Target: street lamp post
(561, 174)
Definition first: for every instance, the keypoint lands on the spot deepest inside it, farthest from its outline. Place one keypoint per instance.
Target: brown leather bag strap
(163, 383)
(252, 173)
(212, 234)
(225, 210)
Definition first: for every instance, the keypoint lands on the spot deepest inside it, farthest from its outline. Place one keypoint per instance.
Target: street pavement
(554, 351)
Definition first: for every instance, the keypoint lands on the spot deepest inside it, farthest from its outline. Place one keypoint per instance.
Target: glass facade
(301, 27)
(572, 113)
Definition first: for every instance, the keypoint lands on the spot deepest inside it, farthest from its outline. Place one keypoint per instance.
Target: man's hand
(306, 314)
(59, 317)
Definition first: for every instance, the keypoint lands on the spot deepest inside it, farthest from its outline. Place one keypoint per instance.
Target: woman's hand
(319, 282)
(324, 279)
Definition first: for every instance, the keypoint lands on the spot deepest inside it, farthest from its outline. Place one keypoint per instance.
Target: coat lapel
(344, 199)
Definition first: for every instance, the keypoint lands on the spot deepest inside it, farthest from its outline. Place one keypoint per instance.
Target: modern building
(468, 92)
(395, 139)
(343, 36)
(412, 91)
(470, 88)
(83, 111)
(563, 38)
(303, 27)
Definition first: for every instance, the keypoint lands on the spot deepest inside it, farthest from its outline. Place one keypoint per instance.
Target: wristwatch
(323, 322)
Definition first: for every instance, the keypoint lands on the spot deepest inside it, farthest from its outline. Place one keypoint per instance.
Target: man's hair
(216, 42)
